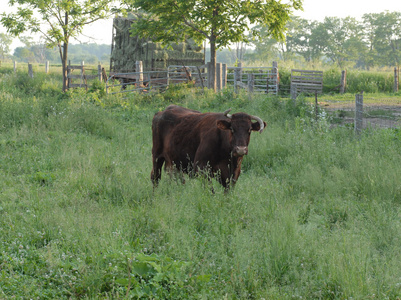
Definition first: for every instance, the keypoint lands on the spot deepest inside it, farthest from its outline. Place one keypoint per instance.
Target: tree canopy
(373, 41)
(5, 43)
(219, 22)
(58, 21)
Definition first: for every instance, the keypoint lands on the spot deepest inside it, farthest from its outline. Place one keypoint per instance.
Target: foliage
(343, 42)
(39, 53)
(56, 21)
(314, 215)
(219, 22)
(5, 43)
(356, 81)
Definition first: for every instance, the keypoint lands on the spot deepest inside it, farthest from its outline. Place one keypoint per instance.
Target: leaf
(156, 266)
(122, 281)
(143, 257)
(142, 269)
(203, 278)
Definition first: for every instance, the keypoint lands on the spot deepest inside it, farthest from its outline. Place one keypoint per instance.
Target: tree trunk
(212, 40)
(64, 54)
(213, 63)
(64, 59)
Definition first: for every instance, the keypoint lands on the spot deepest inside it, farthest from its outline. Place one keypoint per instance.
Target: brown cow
(190, 141)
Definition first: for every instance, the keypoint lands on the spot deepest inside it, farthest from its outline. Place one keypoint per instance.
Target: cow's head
(241, 126)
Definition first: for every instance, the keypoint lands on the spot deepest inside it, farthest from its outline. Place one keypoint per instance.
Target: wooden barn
(127, 49)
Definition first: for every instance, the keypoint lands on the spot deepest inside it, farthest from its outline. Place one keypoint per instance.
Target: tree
(266, 48)
(220, 22)
(24, 54)
(383, 33)
(339, 39)
(301, 39)
(5, 43)
(58, 21)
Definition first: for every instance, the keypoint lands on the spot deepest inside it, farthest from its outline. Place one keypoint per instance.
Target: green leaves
(222, 21)
(149, 276)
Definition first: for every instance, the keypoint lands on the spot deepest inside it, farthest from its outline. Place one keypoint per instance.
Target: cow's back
(164, 124)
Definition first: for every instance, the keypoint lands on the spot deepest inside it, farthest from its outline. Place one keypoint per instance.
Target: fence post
(251, 83)
(276, 77)
(69, 80)
(358, 112)
(237, 77)
(15, 66)
(219, 79)
(99, 72)
(139, 70)
(209, 75)
(240, 71)
(104, 75)
(82, 72)
(47, 67)
(316, 107)
(343, 81)
(224, 75)
(30, 70)
(395, 80)
(293, 91)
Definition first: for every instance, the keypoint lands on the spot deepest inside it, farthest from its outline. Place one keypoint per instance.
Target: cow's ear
(256, 126)
(224, 125)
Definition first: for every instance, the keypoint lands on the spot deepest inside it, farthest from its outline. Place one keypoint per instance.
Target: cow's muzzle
(240, 150)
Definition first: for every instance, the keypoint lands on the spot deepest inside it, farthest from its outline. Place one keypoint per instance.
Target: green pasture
(315, 214)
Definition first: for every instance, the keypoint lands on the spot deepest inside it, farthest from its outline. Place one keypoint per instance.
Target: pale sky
(100, 32)
(319, 9)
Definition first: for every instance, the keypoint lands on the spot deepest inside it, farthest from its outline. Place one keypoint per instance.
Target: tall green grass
(357, 81)
(314, 215)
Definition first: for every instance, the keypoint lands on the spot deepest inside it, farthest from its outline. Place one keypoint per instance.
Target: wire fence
(364, 112)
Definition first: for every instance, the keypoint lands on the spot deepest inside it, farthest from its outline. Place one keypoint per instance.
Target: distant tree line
(375, 41)
(38, 52)
(89, 53)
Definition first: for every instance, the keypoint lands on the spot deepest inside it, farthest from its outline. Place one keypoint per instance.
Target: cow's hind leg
(156, 173)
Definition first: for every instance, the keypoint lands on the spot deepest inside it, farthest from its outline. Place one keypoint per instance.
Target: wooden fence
(82, 77)
(255, 79)
(262, 79)
(306, 81)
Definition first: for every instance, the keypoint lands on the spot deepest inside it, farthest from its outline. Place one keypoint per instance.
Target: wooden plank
(307, 71)
(74, 76)
(314, 79)
(91, 76)
(75, 67)
(83, 77)
(306, 77)
(72, 85)
(307, 81)
(307, 84)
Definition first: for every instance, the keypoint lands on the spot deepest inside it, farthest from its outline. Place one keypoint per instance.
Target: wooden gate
(304, 81)
(82, 78)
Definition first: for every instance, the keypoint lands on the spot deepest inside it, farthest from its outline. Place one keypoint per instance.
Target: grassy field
(314, 215)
